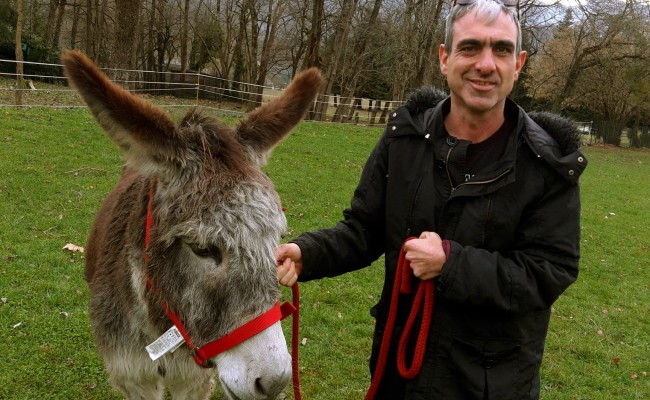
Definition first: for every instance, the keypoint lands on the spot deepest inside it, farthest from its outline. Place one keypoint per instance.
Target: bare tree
(418, 25)
(76, 9)
(339, 42)
(184, 35)
(578, 47)
(297, 34)
(100, 28)
(312, 57)
(366, 48)
(55, 20)
(597, 42)
(127, 21)
(89, 27)
(350, 74)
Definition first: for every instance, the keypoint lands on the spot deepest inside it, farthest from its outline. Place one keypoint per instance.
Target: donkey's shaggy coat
(216, 221)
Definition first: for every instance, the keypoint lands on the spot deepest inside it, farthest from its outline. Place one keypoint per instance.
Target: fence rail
(45, 85)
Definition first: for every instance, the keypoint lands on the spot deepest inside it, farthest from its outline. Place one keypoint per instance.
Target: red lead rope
(295, 342)
(425, 294)
(423, 301)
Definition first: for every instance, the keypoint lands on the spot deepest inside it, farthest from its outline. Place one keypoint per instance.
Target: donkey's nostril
(259, 386)
(268, 387)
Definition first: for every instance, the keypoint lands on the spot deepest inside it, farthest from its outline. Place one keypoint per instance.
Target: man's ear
(443, 56)
(520, 61)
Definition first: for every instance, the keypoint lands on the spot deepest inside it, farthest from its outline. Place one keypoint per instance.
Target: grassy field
(56, 167)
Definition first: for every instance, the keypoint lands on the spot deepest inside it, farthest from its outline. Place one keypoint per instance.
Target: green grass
(56, 167)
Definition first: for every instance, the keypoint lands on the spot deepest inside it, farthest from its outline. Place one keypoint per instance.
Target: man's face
(482, 66)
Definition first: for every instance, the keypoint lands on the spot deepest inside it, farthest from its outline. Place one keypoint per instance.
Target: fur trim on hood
(561, 129)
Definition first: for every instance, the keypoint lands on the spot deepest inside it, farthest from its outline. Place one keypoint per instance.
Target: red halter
(203, 354)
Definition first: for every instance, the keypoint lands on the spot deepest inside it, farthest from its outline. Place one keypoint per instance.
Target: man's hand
(426, 255)
(289, 263)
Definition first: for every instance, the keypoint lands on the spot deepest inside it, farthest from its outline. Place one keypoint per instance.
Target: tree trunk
(239, 60)
(253, 68)
(312, 56)
(19, 53)
(59, 22)
(90, 35)
(51, 20)
(75, 25)
(273, 17)
(99, 28)
(184, 35)
(427, 53)
(350, 80)
(127, 21)
(340, 41)
(299, 47)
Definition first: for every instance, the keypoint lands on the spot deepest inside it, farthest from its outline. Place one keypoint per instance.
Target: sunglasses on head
(507, 3)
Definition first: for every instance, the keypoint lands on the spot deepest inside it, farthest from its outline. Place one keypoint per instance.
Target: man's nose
(485, 62)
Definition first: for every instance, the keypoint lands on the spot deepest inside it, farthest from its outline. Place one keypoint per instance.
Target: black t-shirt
(482, 154)
(466, 159)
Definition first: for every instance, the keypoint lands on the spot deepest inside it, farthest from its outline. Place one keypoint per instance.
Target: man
(493, 200)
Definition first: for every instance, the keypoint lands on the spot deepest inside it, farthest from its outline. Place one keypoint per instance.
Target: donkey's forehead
(232, 217)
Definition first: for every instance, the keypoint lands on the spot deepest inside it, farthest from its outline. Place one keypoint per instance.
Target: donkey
(187, 237)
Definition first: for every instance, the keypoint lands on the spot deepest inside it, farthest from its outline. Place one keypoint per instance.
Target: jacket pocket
(488, 366)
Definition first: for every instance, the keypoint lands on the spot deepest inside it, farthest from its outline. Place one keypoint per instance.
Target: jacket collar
(551, 137)
(562, 155)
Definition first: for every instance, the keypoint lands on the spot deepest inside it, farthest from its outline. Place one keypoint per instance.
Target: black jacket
(514, 231)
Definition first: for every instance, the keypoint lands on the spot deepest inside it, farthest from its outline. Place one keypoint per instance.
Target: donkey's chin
(258, 369)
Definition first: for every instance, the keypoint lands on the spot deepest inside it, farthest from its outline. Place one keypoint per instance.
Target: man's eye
(468, 49)
(503, 50)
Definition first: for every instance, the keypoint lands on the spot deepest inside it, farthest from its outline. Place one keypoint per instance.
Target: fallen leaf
(304, 341)
(4, 300)
(339, 315)
(73, 247)
(634, 375)
(600, 332)
(17, 325)
(616, 360)
(63, 314)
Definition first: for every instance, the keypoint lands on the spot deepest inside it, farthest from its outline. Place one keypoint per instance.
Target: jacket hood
(562, 130)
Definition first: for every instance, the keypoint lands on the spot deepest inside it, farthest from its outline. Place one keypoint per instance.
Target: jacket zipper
(451, 182)
(415, 199)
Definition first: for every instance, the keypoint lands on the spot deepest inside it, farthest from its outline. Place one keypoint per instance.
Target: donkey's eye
(211, 251)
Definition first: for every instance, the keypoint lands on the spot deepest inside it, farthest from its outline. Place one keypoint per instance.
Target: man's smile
(482, 84)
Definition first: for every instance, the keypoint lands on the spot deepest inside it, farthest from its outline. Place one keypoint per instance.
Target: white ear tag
(169, 341)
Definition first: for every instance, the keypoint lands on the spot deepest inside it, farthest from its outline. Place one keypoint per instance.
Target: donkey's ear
(267, 125)
(145, 134)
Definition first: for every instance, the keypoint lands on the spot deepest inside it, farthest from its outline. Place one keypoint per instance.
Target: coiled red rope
(423, 301)
(422, 304)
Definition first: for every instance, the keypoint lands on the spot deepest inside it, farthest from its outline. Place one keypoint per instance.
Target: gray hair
(488, 10)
